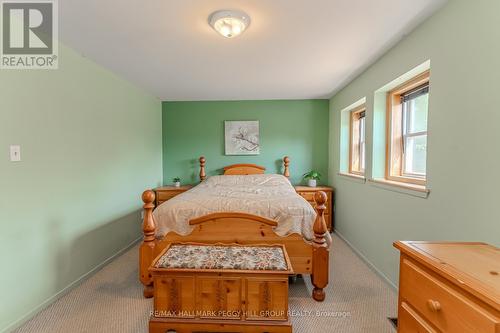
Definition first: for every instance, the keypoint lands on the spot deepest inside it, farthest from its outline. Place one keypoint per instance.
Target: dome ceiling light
(229, 23)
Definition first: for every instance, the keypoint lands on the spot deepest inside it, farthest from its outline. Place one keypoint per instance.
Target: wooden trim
(394, 138)
(227, 215)
(354, 154)
(165, 193)
(244, 169)
(172, 188)
(412, 83)
(303, 188)
(234, 166)
(407, 180)
(388, 119)
(161, 325)
(319, 277)
(358, 109)
(352, 175)
(351, 142)
(408, 186)
(203, 174)
(148, 246)
(286, 163)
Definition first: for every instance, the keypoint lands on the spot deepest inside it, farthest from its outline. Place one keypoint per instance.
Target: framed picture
(242, 137)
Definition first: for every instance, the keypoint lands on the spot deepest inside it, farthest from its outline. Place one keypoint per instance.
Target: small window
(407, 131)
(357, 145)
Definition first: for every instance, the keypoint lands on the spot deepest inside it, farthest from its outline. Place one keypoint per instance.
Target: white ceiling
(293, 49)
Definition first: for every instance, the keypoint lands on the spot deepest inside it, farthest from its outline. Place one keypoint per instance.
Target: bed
(248, 207)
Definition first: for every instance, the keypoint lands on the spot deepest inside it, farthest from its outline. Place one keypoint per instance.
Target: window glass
(357, 138)
(415, 155)
(362, 143)
(415, 135)
(417, 114)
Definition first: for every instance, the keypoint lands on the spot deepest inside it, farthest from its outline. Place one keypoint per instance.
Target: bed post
(147, 249)
(203, 175)
(319, 276)
(286, 162)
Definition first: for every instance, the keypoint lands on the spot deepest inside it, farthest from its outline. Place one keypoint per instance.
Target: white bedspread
(271, 196)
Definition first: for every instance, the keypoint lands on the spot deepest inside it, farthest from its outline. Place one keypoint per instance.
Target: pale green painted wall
(462, 41)
(298, 129)
(91, 143)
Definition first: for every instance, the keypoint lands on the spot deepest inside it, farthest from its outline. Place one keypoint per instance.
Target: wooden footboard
(306, 257)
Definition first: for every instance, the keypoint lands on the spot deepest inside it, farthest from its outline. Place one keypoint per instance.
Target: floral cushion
(268, 258)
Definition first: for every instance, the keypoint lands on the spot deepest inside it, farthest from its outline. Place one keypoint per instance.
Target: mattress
(267, 195)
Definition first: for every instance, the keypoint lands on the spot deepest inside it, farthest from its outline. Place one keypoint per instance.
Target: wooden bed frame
(232, 227)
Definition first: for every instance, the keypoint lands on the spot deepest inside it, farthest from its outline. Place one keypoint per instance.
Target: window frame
(395, 133)
(355, 149)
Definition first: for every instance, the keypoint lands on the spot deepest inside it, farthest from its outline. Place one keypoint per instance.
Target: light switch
(15, 153)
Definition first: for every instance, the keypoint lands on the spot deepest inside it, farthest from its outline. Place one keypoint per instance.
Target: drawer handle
(435, 306)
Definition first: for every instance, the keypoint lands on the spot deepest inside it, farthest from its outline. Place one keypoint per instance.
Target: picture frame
(242, 137)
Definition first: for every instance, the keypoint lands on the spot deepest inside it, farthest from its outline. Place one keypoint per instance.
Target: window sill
(353, 177)
(405, 188)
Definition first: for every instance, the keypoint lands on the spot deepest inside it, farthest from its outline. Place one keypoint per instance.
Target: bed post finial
(147, 249)
(148, 225)
(203, 175)
(286, 162)
(319, 277)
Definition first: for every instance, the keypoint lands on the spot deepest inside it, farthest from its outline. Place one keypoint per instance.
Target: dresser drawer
(166, 195)
(309, 196)
(440, 304)
(327, 209)
(410, 322)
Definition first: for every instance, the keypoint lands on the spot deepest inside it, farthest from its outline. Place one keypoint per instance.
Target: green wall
(90, 144)
(462, 42)
(296, 128)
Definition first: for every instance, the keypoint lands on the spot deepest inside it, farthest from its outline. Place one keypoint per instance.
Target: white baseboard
(20, 321)
(368, 262)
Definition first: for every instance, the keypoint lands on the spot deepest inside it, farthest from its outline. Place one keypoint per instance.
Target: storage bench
(220, 288)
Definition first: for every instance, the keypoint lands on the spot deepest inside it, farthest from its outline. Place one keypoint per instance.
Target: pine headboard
(244, 169)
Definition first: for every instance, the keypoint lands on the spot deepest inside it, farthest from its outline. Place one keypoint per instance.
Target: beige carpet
(111, 301)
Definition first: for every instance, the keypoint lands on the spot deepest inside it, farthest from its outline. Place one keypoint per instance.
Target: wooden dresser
(449, 287)
(165, 193)
(308, 194)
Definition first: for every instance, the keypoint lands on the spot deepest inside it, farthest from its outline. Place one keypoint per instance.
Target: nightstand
(165, 193)
(308, 193)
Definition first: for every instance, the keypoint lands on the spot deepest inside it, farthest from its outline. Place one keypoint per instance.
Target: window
(407, 131)
(357, 145)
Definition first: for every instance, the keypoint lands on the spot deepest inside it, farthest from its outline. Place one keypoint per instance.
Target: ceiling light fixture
(229, 23)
